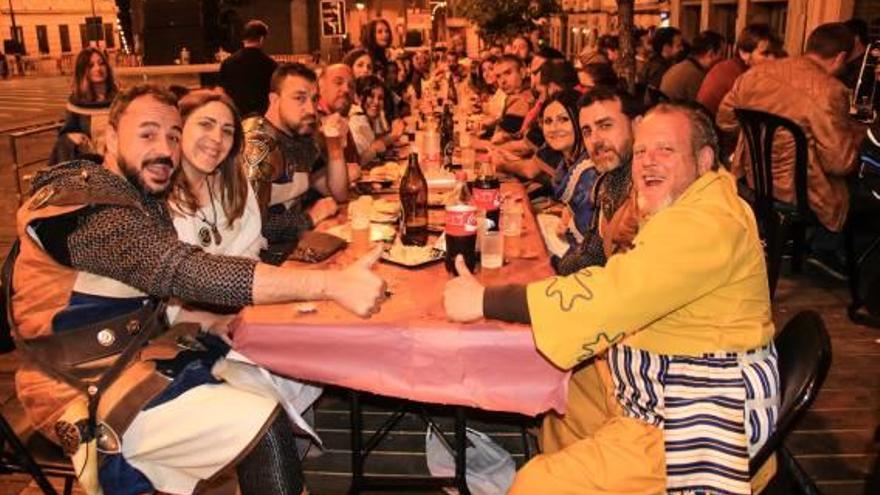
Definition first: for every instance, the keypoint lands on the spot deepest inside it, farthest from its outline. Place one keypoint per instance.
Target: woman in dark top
(575, 174)
(87, 109)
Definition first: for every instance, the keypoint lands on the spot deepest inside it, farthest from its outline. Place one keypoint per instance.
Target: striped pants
(688, 425)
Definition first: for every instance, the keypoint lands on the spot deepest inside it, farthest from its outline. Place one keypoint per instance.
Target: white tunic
(195, 435)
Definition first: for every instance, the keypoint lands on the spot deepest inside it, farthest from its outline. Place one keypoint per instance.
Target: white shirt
(242, 238)
(364, 131)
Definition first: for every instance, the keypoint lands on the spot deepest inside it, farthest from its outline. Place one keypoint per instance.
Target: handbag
(311, 247)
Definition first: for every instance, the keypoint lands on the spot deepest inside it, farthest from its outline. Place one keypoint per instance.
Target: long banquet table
(409, 350)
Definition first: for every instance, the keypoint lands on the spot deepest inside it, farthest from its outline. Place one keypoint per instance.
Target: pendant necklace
(210, 232)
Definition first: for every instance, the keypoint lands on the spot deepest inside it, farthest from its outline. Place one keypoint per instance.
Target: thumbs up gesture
(356, 288)
(463, 295)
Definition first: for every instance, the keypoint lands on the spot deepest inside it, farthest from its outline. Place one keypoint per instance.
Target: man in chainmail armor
(97, 250)
(283, 159)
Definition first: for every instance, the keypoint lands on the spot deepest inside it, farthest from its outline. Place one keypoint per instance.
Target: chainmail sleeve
(142, 250)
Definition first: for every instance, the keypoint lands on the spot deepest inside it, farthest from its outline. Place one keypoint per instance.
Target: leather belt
(92, 342)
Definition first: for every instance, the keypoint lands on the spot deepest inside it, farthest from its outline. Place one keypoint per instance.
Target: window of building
(64, 36)
(84, 35)
(20, 32)
(43, 39)
(109, 40)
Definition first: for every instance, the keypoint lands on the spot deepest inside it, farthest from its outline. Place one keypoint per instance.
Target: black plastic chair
(779, 220)
(804, 349)
(22, 449)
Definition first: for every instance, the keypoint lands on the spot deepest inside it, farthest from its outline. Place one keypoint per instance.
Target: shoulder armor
(80, 184)
(260, 154)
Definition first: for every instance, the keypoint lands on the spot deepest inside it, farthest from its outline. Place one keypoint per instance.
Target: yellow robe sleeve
(681, 254)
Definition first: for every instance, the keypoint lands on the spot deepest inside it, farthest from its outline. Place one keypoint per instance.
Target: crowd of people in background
(207, 180)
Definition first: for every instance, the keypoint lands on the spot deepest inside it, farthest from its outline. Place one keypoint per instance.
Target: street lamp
(360, 6)
(14, 28)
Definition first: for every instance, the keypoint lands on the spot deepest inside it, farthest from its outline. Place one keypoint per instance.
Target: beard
(304, 126)
(611, 158)
(647, 211)
(136, 176)
(343, 105)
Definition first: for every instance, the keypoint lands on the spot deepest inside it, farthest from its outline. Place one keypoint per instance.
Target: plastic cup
(492, 253)
(511, 226)
(359, 221)
(332, 127)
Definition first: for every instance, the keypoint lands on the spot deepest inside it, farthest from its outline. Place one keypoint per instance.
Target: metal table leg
(461, 451)
(357, 459)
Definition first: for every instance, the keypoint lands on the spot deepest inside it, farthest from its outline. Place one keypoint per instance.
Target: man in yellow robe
(685, 317)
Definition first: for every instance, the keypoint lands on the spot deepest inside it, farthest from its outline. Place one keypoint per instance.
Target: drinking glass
(511, 226)
(492, 253)
(359, 221)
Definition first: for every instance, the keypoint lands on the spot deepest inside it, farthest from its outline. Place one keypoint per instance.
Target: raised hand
(357, 288)
(463, 295)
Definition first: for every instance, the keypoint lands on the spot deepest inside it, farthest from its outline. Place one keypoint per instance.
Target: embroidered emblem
(255, 153)
(557, 292)
(69, 436)
(602, 342)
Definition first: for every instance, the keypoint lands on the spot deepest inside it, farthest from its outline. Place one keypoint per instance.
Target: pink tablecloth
(481, 366)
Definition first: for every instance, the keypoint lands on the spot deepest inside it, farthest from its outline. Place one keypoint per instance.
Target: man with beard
(605, 118)
(335, 97)
(605, 122)
(281, 156)
(684, 315)
(98, 251)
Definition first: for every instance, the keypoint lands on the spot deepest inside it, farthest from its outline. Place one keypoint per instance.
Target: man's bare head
(336, 87)
(674, 146)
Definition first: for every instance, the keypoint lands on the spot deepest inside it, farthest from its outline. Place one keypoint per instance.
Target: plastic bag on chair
(490, 468)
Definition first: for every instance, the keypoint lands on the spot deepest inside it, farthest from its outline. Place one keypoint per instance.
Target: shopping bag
(490, 468)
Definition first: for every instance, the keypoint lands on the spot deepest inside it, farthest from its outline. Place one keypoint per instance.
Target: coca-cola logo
(461, 220)
(487, 199)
